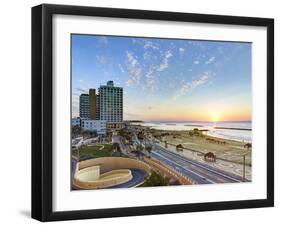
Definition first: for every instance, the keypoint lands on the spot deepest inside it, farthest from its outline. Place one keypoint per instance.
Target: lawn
(94, 151)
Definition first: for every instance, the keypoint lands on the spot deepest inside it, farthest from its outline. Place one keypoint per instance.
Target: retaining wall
(103, 183)
(112, 163)
(108, 165)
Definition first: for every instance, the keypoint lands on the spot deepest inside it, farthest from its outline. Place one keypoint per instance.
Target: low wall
(104, 183)
(112, 163)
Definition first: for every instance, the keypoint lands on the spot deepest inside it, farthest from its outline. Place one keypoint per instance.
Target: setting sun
(215, 116)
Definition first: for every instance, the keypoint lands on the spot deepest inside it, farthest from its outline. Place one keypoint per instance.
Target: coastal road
(200, 173)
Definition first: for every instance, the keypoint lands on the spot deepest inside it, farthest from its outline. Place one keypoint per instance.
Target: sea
(239, 131)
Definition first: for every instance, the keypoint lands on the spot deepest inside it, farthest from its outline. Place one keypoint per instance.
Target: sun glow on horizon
(210, 112)
(215, 116)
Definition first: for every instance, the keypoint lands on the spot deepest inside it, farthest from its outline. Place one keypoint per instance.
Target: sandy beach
(229, 153)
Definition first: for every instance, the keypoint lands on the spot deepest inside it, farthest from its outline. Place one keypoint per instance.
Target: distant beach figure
(210, 157)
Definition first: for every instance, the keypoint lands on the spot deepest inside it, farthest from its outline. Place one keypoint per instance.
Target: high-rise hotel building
(106, 105)
(110, 103)
(84, 106)
(92, 104)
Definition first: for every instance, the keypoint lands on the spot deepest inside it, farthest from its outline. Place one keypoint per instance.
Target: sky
(166, 79)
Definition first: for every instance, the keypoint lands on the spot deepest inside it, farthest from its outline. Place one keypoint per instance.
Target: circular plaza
(110, 172)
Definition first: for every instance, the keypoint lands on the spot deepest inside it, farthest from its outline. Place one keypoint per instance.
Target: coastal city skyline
(178, 80)
(159, 112)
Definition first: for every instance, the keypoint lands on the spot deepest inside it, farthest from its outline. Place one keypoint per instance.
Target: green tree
(149, 149)
(123, 132)
(141, 136)
(155, 179)
(116, 148)
(90, 134)
(129, 140)
(75, 130)
(139, 149)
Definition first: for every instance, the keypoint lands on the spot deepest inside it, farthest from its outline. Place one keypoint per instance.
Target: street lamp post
(78, 153)
(244, 164)
(244, 167)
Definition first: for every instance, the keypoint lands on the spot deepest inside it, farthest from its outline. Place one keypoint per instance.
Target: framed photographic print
(146, 112)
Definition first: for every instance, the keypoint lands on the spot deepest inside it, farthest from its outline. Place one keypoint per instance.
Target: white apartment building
(76, 121)
(94, 125)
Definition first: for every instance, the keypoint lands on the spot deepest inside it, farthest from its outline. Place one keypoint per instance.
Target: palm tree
(79, 149)
(140, 136)
(116, 148)
(149, 149)
(129, 139)
(139, 149)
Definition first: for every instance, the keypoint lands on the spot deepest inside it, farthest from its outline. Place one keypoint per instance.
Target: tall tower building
(84, 107)
(111, 103)
(98, 107)
(93, 104)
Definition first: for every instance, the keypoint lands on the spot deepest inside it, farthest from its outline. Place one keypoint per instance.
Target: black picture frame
(42, 111)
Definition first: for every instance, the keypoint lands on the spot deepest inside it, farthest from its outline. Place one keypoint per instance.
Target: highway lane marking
(199, 165)
(192, 169)
(202, 166)
(200, 176)
(196, 164)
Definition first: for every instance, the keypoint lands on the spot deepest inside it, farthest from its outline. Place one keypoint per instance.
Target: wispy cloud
(102, 59)
(165, 62)
(150, 45)
(147, 55)
(151, 84)
(121, 68)
(181, 51)
(134, 69)
(191, 85)
(210, 60)
(82, 90)
(196, 62)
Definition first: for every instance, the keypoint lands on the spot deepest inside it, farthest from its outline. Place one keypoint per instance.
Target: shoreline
(232, 128)
(208, 132)
(228, 150)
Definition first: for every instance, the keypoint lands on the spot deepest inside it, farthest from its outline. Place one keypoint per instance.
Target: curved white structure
(106, 172)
